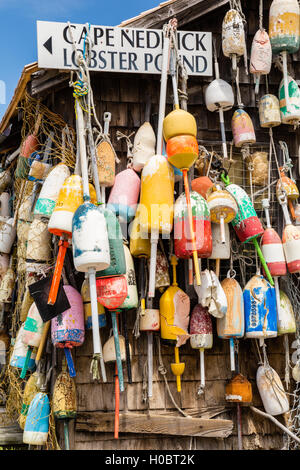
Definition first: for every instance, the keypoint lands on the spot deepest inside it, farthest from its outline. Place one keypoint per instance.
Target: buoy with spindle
(69, 199)
(30, 390)
(64, 403)
(242, 128)
(67, 328)
(269, 111)
(129, 303)
(37, 422)
(106, 159)
(111, 293)
(231, 326)
(289, 114)
(32, 334)
(201, 332)
(143, 146)
(123, 197)
(28, 147)
(289, 186)
(246, 224)
(183, 245)
(233, 37)
(90, 242)
(260, 309)
(222, 207)
(284, 33)
(290, 239)
(174, 308)
(180, 130)
(219, 97)
(272, 250)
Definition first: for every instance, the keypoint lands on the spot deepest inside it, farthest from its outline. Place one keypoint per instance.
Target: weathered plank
(10, 435)
(154, 424)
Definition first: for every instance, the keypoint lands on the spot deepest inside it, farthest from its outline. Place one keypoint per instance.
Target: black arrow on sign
(48, 45)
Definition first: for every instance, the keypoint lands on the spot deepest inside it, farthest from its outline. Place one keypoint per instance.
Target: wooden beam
(185, 12)
(98, 421)
(10, 435)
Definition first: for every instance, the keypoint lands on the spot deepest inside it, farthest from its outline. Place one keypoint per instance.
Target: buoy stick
(202, 368)
(70, 362)
(292, 210)
(263, 261)
(43, 341)
(117, 349)
(257, 81)
(218, 267)
(163, 93)
(277, 294)
(232, 359)
(26, 363)
(178, 380)
(233, 62)
(222, 229)
(66, 434)
(128, 363)
(285, 80)
(150, 362)
(103, 195)
(191, 272)
(239, 426)
(95, 322)
(190, 215)
(152, 271)
(222, 126)
(82, 149)
(117, 403)
(63, 245)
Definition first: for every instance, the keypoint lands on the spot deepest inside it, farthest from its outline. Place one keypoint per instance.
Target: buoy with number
(174, 308)
(201, 332)
(260, 309)
(67, 328)
(232, 325)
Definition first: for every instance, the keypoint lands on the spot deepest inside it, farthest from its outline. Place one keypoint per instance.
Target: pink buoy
(242, 128)
(124, 195)
(67, 328)
(261, 56)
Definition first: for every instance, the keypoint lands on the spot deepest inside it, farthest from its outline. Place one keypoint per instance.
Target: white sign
(115, 49)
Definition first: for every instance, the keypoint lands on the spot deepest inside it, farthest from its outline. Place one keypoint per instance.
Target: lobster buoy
(261, 56)
(242, 128)
(139, 245)
(30, 390)
(232, 325)
(143, 146)
(150, 320)
(222, 207)
(131, 300)
(162, 277)
(7, 285)
(156, 206)
(20, 352)
(271, 391)
(109, 350)
(124, 194)
(201, 185)
(5, 205)
(117, 265)
(182, 151)
(238, 390)
(67, 328)
(201, 338)
(289, 114)
(233, 36)
(4, 263)
(269, 111)
(70, 197)
(32, 334)
(285, 315)
(290, 241)
(219, 94)
(287, 185)
(50, 190)
(260, 309)
(86, 298)
(177, 123)
(64, 402)
(201, 220)
(7, 234)
(37, 421)
(38, 245)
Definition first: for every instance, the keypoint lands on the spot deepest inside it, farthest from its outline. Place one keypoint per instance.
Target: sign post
(130, 50)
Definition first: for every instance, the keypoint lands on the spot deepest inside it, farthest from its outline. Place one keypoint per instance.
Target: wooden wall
(125, 96)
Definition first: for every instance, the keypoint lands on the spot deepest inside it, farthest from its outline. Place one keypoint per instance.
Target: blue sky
(18, 29)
